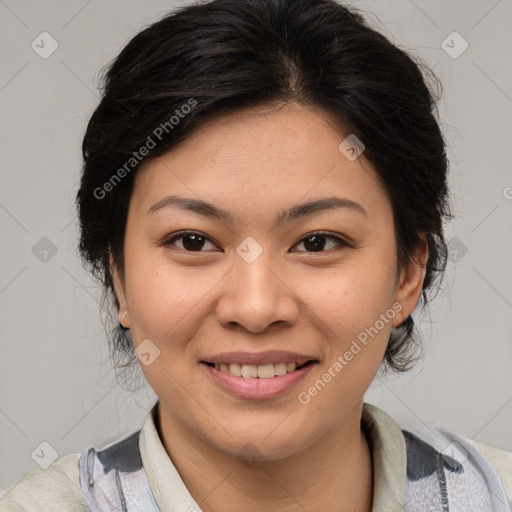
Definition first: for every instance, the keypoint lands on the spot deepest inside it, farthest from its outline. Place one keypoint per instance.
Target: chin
(253, 448)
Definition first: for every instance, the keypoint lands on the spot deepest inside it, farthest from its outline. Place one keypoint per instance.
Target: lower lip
(256, 388)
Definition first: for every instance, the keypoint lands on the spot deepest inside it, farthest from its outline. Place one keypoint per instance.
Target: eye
(192, 241)
(316, 241)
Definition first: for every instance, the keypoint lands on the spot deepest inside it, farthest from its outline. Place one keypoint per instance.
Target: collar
(389, 459)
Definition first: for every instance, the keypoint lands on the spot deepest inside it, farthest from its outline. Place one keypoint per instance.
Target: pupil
(197, 242)
(318, 242)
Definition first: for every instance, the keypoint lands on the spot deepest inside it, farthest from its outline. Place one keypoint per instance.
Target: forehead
(263, 157)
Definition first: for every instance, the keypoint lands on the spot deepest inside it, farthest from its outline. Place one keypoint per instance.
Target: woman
(263, 195)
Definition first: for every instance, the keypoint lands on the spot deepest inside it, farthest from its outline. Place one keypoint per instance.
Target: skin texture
(190, 304)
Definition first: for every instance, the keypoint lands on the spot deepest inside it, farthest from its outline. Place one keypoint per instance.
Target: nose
(257, 295)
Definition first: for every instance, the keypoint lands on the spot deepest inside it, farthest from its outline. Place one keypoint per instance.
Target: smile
(257, 382)
(264, 371)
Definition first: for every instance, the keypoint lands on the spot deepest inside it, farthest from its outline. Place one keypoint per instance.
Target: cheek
(352, 303)
(166, 307)
(165, 301)
(353, 295)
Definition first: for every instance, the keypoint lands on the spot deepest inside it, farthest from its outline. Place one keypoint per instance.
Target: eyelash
(341, 243)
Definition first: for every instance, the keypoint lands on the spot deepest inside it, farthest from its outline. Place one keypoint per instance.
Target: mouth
(262, 371)
(250, 376)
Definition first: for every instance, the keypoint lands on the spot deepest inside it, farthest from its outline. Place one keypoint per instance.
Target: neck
(333, 473)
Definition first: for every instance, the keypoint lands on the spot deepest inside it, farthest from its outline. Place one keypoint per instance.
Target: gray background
(56, 385)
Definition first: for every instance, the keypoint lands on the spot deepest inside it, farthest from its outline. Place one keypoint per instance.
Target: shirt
(410, 473)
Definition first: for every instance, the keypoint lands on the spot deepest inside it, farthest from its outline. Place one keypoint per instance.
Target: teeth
(249, 370)
(266, 371)
(263, 371)
(290, 367)
(280, 368)
(235, 369)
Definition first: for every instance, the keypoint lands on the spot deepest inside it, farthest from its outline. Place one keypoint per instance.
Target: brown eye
(191, 241)
(316, 242)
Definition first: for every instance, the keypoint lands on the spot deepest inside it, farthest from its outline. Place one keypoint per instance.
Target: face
(265, 281)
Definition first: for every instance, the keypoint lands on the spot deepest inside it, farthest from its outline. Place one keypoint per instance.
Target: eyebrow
(208, 210)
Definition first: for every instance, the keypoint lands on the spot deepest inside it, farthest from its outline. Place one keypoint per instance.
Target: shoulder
(460, 466)
(501, 460)
(55, 488)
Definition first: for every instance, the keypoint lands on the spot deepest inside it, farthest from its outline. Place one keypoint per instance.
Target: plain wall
(56, 382)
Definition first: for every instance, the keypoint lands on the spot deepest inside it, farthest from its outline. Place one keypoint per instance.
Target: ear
(410, 283)
(120, 292)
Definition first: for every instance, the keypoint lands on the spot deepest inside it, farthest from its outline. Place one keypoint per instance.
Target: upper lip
(259, 358)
